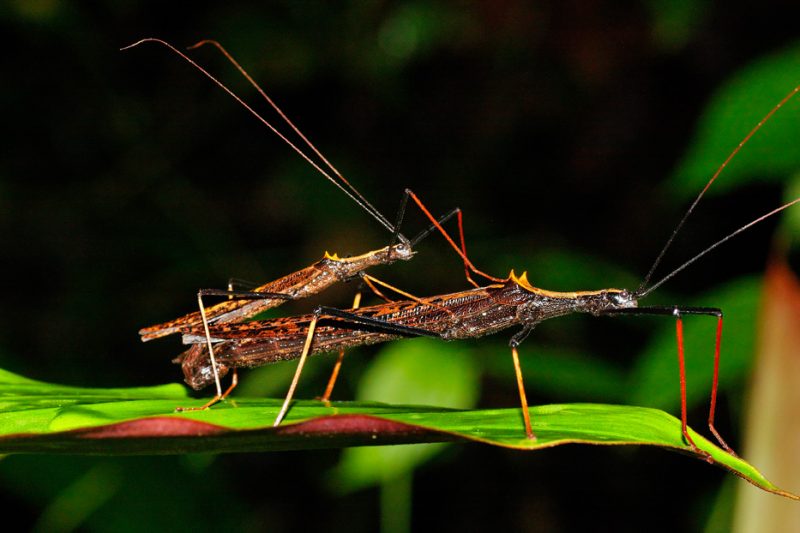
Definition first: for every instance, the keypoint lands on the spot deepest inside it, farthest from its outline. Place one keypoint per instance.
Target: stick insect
(480, 311)
(244, 304)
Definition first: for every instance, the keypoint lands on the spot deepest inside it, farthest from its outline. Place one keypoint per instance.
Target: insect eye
(403, 249)
(619, 297)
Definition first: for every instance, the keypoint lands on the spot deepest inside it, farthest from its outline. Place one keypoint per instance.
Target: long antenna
(641, 290)
(344, 185)
(643, 293)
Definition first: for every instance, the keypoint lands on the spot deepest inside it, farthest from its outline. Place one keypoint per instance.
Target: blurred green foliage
(126, 182)
(734, 111)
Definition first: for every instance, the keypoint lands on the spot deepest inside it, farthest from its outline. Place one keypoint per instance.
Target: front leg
(678, 312)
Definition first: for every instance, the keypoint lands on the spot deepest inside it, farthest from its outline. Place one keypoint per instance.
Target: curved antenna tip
(142, 41)
(204, 42)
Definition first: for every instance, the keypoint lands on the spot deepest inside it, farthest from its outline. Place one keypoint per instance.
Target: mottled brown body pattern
(300, 284)
(461, 315)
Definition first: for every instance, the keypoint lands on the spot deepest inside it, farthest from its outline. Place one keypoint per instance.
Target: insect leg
(306, 348)
(368, 281)
(372, 283)
(717, 346)
(678, 312)
(682, 372)
(382, 325)
(218, 398)
(321, 311)
(396, 235)
(430, 229)
(338, 365)
(460, 250)
(235, 284)
(230, 293)
(245, 295)
(516, 340)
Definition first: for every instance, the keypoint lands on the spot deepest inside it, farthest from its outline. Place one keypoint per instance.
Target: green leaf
(40, 418)
(733, 111)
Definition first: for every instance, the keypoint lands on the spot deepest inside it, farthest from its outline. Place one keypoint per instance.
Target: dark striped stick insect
(309, 281)
(480, 311)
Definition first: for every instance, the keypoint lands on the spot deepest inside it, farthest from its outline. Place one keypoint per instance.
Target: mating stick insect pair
(221, 340)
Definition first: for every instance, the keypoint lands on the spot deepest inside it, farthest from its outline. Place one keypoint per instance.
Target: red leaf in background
(773, 419)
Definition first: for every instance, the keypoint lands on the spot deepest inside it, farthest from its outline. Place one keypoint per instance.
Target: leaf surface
(38, 417)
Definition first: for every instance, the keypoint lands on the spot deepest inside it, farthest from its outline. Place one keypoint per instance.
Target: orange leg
(462, 250)
(682, 371)
(522, 398)
(714, 387)
(332, 380)
(338, 365)
(217, 398)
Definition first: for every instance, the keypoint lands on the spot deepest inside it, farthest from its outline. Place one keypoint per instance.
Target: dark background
(127, 181)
